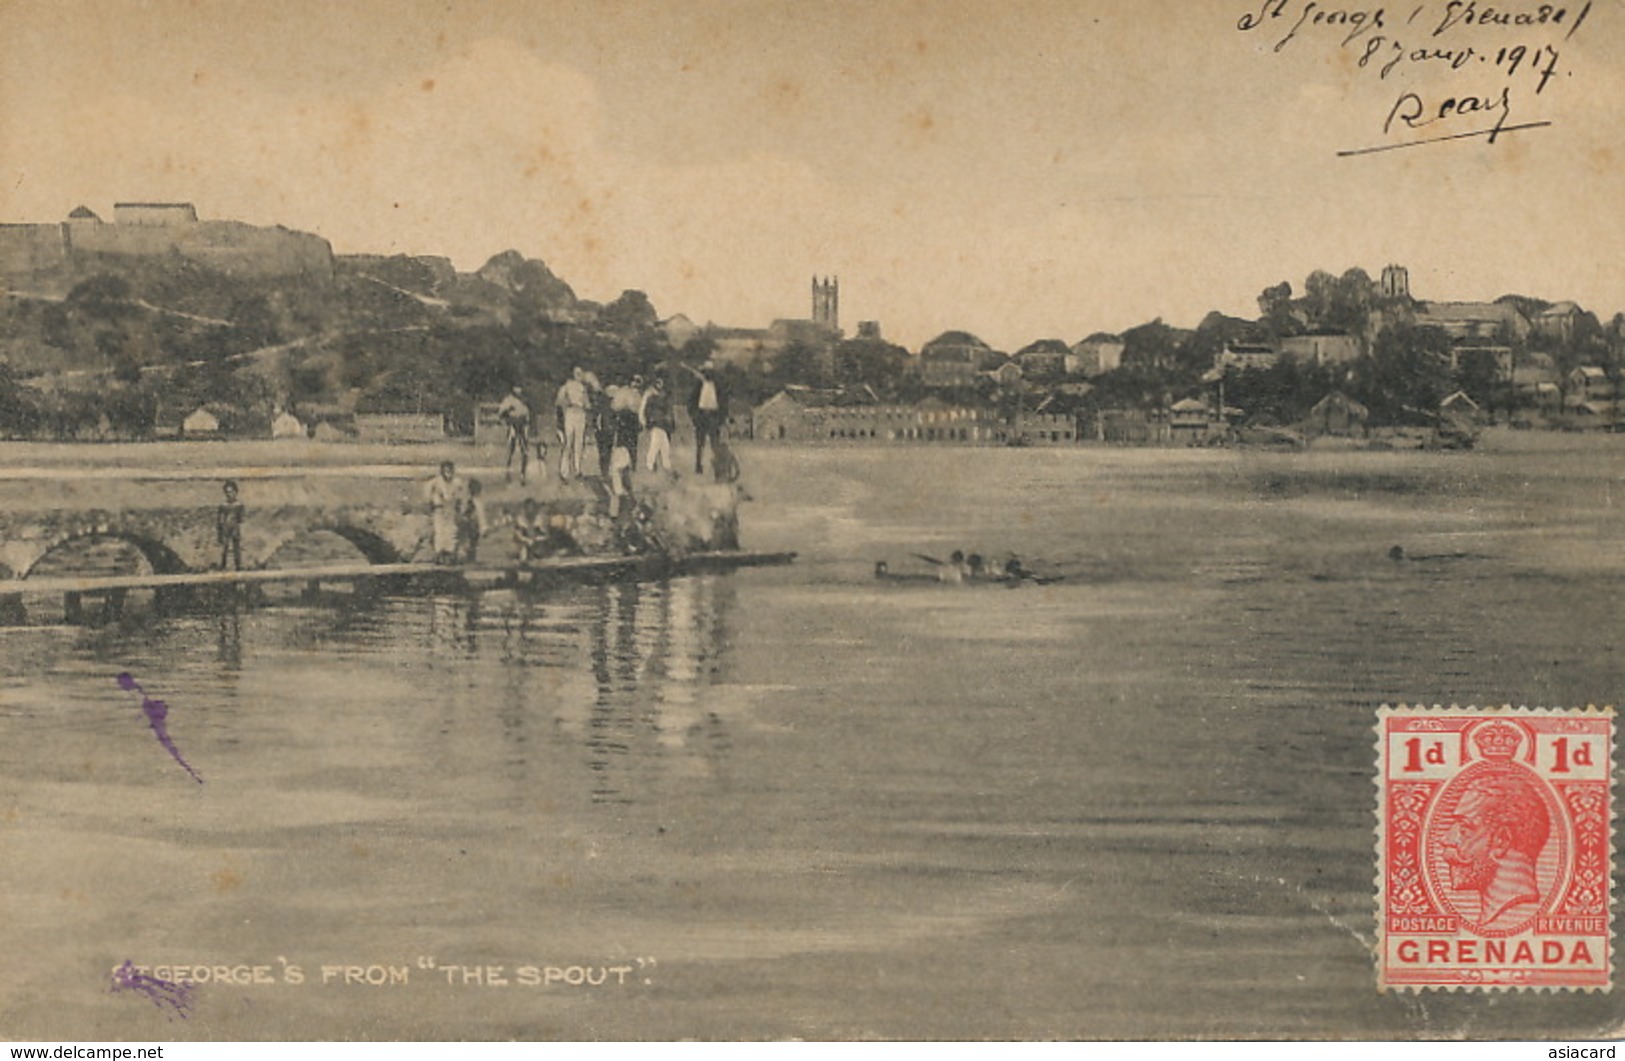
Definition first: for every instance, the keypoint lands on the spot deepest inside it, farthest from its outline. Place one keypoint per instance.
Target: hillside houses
(955, 359)
(1247, 357)
(1095, 355)
(1043, 360)
(1323, 346)
(1474, 320)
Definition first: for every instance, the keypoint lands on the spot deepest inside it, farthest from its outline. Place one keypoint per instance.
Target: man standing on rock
(708, 408)
(573, 401)
(655, 414)
(515, 416)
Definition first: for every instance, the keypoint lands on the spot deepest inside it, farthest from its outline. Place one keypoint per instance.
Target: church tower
(826, 302)
(1396, 282)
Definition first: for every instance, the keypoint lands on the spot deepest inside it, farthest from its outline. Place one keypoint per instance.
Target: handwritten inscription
(1478, 69)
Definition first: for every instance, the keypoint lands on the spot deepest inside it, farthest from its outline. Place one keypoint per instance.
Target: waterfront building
(201, 422)
(1336, 414)
(287, 425)
(1191, 421)
(1588, 383)
(806, 414)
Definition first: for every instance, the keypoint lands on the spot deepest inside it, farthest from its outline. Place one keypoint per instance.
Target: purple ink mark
(161, 993)
(157, 711)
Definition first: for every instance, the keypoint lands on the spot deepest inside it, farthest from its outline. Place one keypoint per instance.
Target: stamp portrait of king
(1491, 827)
(1494, 848)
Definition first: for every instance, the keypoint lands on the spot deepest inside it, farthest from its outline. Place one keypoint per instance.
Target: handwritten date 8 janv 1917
(1457, 38)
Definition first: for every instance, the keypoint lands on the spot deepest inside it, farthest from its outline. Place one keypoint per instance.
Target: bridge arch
(372, 546)
(162, 559)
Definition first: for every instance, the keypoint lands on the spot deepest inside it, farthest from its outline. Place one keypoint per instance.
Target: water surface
(800, 803)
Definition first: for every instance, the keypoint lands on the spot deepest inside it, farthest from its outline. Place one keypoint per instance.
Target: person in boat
(471, 524)
(448, 495)
(954, 571)
(976, 568)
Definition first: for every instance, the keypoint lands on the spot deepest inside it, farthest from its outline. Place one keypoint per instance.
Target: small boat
(884, 573)
(1012, 575)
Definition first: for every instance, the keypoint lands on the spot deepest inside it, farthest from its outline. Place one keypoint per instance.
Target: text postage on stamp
(1494, 841)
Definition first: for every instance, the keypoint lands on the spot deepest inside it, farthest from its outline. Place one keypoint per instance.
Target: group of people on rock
(619, 417)
(458, 522)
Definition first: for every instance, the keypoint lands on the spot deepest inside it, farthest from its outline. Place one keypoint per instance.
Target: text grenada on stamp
(1494, 844)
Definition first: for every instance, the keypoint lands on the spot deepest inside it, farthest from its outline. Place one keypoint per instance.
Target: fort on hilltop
(54, 255)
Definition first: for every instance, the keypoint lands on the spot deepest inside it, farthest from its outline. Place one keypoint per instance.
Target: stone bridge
(175, 540)
(288, 518)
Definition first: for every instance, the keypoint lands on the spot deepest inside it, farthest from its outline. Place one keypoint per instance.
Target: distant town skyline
(1056, 170)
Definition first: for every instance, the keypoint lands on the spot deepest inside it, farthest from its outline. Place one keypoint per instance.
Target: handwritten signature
(157, 713)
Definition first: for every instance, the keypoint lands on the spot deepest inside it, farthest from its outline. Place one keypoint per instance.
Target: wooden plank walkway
(473, 575)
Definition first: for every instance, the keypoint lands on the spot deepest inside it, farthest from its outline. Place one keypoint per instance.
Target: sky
(1024, 169)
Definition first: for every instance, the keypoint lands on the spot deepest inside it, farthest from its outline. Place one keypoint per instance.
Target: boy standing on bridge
(471, 524)
(448, 500)
(228, 528)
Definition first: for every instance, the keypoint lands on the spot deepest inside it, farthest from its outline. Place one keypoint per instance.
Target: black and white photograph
(860, 520)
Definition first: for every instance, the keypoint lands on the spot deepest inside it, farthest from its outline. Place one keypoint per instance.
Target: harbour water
(798, 802)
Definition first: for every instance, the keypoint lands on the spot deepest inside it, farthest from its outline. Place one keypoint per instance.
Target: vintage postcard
(754, 520)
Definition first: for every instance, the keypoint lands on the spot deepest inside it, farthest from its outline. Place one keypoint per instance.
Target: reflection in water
(229, 643)
(452, 627)
(616, 669)
(510, 685)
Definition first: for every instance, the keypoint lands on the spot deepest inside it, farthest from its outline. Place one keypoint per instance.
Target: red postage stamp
(1494, 848)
